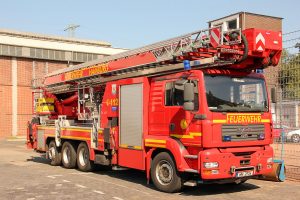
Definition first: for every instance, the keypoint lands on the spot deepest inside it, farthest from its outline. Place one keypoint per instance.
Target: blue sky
(134, 23)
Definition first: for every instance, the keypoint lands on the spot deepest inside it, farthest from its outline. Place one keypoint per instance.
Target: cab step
(191, 156)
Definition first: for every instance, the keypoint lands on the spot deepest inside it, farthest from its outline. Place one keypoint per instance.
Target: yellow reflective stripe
(45, 127)
(219, 121)
(67, 129)
(156, 141)
(79, 130)
(124, 145)
(244, 114)
(130, 147)
(155, 145)
(195, 133)
(265, 120)
(73, 137)
(182, 136)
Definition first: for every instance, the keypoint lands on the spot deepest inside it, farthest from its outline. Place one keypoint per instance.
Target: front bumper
(235, 163)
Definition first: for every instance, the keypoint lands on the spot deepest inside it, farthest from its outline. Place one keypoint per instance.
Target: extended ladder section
(247, 50)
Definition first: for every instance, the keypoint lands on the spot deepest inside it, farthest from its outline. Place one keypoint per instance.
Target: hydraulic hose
(246, 49)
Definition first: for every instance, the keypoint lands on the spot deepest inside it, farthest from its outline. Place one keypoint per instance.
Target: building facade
(25, 58)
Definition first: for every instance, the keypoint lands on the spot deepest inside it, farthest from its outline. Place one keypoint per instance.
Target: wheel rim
(66, 155)
(164, 172)
(52, 153)
(83, 157)
(296, 138)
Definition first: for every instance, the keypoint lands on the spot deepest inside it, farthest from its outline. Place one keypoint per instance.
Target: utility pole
(71, 29)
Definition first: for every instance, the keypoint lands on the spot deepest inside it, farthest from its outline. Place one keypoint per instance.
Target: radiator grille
(243, 132)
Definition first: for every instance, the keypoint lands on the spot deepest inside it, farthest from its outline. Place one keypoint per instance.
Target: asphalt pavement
(27, 175)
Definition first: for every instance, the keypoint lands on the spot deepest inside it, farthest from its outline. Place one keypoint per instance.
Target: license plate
(244, 173)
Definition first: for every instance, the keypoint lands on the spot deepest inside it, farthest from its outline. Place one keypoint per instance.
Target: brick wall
(25, 75)
(262, 22)
(5, 96)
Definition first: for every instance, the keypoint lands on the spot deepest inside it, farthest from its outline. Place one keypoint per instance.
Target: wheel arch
(175, 148)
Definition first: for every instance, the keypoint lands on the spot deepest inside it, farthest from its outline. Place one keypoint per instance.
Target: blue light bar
(227, 138)
(259, 71)
(186, 65)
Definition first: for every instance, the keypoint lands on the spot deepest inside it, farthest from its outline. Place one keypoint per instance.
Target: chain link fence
(286, 111)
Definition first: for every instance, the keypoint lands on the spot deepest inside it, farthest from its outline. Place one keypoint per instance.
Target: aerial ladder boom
(244, 50)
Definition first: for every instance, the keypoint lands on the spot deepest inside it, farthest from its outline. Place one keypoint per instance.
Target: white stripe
(99, 192)
(53, 176)
(260, 37)
(260, 48)
(81, 186)
(66, 181)
(129, 188)
(118, 198)
(215, 37)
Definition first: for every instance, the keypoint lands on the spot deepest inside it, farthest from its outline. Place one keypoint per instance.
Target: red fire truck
(188, 110)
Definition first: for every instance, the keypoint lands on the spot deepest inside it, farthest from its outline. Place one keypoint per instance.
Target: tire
(295, 138)
(164, 173)
(83, 158)
(68, 154)
(54, 154)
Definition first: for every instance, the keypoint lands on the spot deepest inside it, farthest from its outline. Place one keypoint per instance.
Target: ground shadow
(214, 189)
(139, 177)
(39, 159)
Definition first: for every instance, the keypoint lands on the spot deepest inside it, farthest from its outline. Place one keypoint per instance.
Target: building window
(232, 24)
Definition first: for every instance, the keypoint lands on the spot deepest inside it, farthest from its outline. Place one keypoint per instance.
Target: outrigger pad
(278, 172)
(281, 175)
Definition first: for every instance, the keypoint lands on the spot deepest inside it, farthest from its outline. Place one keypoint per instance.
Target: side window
(169, 94)
(174, 94)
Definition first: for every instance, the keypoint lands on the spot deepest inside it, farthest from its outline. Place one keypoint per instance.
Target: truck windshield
(235, 94)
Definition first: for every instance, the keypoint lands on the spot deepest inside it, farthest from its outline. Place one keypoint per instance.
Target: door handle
(172, 126)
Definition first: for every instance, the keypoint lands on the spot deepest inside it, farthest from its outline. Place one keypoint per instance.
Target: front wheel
(164, 173)
(83, 158)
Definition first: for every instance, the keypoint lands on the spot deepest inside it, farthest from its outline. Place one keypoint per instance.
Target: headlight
(209, 165)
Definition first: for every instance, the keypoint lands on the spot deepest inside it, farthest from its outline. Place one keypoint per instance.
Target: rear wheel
(68, 155)
(54, 154)
(164, 173)
(83, 158)
(295, 138)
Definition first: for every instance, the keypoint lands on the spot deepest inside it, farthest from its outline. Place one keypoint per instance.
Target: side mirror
(188, 96)
(273, 95)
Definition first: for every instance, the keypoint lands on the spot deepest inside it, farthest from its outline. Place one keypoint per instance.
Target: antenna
(71, 29)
